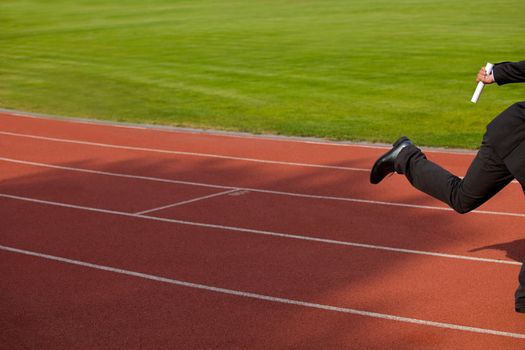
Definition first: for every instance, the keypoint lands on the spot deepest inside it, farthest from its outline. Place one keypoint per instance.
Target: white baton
(479, 88)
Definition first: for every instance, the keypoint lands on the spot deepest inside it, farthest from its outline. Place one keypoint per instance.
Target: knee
(462, 210)
(465, 204)
(462, 203)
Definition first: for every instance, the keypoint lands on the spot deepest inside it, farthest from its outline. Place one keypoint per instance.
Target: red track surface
(286, 251)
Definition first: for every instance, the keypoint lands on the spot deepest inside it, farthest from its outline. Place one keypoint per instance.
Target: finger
(480, 76)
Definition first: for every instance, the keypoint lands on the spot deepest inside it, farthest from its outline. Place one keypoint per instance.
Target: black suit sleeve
(509, 72)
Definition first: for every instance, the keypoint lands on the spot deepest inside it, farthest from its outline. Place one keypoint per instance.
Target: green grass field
(341, 69)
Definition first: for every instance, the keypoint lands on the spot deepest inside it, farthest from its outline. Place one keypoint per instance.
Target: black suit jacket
(506, 133)
(509, 72)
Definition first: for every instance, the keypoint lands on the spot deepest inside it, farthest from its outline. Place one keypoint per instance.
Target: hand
(483, 77)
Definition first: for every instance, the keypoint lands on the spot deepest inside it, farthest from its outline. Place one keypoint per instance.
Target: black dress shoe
(520, 306)
(385, 164)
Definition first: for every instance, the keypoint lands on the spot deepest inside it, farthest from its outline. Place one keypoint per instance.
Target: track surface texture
(126, 237)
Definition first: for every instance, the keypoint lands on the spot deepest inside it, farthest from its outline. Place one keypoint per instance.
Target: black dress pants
(486, 176)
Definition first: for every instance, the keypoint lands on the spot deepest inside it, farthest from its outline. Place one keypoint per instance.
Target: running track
(127, 237)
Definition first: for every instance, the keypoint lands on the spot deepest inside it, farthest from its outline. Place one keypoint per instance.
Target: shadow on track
(294, 269)
(514, 250)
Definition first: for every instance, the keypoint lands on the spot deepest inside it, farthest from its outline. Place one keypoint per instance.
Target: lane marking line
(193, 154)
(128, 176)
(155, 150)
(186, 202)
(264, 297)
(231, 134)
(263, 232)
(280, 193)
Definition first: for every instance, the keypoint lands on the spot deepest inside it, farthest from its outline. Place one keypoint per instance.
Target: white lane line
(191, 153)
(278, 138)
(264, 297)
(280, 193)
(186, 202)
(155, 150)
(127, 176)
(263, 232)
